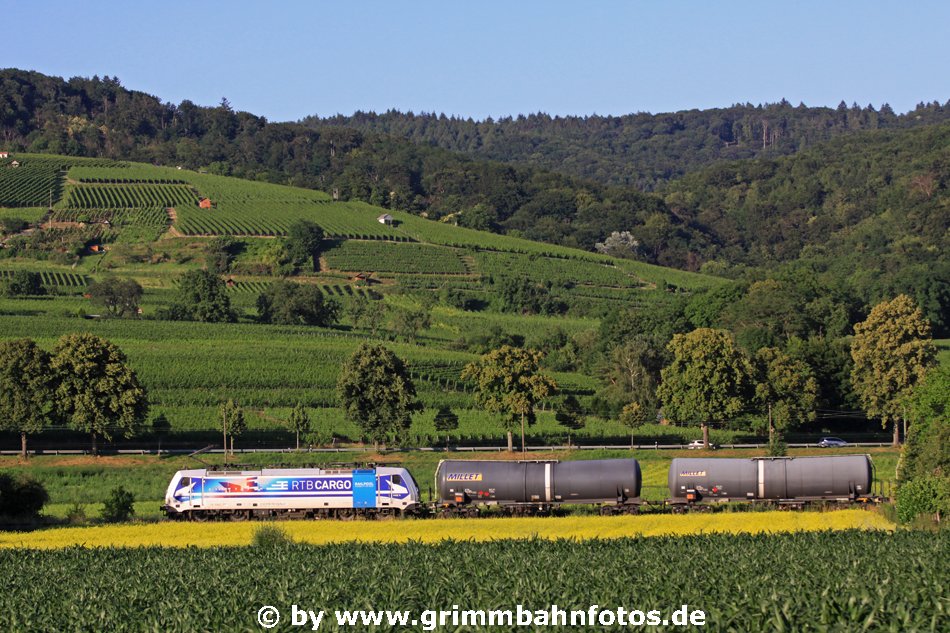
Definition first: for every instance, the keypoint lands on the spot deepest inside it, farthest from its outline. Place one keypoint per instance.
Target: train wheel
(345, 514)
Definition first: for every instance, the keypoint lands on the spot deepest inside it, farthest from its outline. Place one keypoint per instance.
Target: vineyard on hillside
(272, 217)
(31, 184)
(562, 272)
(128, 196)
(358, 256)
(37, 178)
(55, 279)
(329, 290)
(144, 216)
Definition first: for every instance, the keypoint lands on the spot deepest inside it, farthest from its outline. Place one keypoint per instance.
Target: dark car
(831, 442)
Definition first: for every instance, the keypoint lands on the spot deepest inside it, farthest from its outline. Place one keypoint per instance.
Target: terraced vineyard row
(396, 258)
(57, 279)
(559, 271)
(335, 290)
(30, 184)
(144, 216)
(133, 181)
(131, 196)
(274, 217)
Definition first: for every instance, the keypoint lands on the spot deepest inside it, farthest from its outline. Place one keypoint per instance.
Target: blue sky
(285, 60)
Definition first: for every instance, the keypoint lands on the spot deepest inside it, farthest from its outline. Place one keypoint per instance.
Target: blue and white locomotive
(340, 493)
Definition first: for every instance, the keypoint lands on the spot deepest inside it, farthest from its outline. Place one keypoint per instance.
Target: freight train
(468, 487)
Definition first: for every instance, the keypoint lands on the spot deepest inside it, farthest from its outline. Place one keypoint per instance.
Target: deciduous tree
(892, 352)
(570, 415)
(408, 323)
(232, 422)
(23, 283)
(786, 387)
(508, 381)
(26, 388)
(202, 296)
(303, 243)
(376, 393)
(633, 416)
(708, 380)
(289, 303)
(119, 297)
(97, 392)
(446, 421)
(299, 422)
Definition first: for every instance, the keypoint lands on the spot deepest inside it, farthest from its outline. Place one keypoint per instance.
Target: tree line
(642, 149)
(84, 384)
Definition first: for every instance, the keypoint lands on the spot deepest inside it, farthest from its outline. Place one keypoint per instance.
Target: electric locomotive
(340, 493)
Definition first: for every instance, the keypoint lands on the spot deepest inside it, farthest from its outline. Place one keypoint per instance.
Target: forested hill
(869, 208)
(100, 118)
(643, 150)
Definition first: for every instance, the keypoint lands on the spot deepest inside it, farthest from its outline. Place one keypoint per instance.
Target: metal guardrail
(424, 449)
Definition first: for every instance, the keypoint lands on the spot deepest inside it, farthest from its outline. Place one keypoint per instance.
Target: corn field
(823, 581)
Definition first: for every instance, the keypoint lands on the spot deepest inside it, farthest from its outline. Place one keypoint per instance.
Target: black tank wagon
(843, 478)
(538, 486)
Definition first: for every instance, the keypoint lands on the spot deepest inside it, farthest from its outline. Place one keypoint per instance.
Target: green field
(871, 581)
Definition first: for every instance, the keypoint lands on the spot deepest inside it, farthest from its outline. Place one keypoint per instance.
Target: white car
(698, 444)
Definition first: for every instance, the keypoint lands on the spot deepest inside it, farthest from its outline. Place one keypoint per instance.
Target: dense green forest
(865, 212)
(643, 149)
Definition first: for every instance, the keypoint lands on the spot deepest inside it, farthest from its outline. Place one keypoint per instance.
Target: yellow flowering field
(175, 534)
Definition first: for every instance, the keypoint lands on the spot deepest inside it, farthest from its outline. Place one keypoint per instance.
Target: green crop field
(872, 581)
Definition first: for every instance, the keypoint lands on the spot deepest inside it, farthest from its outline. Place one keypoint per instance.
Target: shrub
(21, 496)
(76, 515)
(13, 225)
(924, 495)
(777, 446)
(119, 506)
(271, 536)
(23, 283)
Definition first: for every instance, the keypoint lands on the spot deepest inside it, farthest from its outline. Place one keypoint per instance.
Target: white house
(385, 219)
